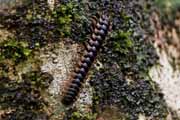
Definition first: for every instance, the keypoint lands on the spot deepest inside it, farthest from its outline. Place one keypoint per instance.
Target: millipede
(100, 27)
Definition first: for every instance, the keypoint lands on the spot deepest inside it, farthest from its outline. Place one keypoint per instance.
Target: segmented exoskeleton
(100, 27)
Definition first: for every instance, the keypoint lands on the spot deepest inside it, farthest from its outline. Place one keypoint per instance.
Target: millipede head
(94, 18)
(94, 21)
(100, 19)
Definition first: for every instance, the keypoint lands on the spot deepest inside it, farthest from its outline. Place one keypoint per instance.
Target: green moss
(30, 24)
(81, 116)
(14, 50)
(122, 41)
(21, 90)
(33, 23)
(125, 17)
(64, 15)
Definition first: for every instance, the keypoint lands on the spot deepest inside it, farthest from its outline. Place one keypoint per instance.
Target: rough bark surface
(135, 76)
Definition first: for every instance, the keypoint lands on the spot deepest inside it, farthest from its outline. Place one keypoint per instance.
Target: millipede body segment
(100, 27)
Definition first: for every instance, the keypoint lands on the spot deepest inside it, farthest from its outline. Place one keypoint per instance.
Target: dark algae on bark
(126, 56)
(24, 98)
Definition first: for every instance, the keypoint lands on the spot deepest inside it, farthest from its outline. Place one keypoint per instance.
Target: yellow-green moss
(81, 116)
(14, 50)
(64, 15)
(122, 41)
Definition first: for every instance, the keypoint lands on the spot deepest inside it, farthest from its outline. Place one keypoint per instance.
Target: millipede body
(100, 27)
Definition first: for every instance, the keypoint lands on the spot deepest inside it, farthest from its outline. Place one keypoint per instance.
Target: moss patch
(122, 42)
(14, 50)
(38, 28)
(76, 115)
(65, 14)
